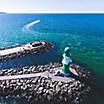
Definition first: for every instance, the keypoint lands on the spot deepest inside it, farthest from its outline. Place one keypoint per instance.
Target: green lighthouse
(66, 61)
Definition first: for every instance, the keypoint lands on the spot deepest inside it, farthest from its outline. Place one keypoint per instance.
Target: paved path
(16, 49)
(19, 76)
(45, 74)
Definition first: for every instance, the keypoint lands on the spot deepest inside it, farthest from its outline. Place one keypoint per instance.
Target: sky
(52, 6)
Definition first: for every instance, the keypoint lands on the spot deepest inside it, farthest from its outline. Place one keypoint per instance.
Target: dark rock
(42, 90)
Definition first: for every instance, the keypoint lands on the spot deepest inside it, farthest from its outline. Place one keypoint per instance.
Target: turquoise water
(83, 33)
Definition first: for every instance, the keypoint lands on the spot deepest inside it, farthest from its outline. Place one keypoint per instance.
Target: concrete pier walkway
(16, 49)
(23, 49)
(20, 48)
(44, 74)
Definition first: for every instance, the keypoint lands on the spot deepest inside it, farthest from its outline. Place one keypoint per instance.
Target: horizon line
(72, 12)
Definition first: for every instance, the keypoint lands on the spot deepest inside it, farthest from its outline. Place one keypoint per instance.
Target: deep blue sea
(83, 33)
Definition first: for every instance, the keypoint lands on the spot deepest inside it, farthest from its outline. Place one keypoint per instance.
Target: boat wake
(27, 27)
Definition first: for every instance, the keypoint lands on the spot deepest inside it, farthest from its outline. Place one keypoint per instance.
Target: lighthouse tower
(66, 61)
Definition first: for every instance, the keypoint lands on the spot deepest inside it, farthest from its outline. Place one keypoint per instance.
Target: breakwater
(44, 89)
(24, 49)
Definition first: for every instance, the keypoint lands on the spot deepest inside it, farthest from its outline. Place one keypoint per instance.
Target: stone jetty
(38, 86)
(23, 49)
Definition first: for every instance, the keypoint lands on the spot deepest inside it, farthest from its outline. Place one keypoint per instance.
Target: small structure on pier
(66, 61)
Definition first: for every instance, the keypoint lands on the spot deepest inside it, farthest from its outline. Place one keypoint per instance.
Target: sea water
(83, 33)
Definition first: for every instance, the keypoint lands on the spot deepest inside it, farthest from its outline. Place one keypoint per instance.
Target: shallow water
(83, 33)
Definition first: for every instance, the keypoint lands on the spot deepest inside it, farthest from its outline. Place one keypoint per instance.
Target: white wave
(27, 27)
